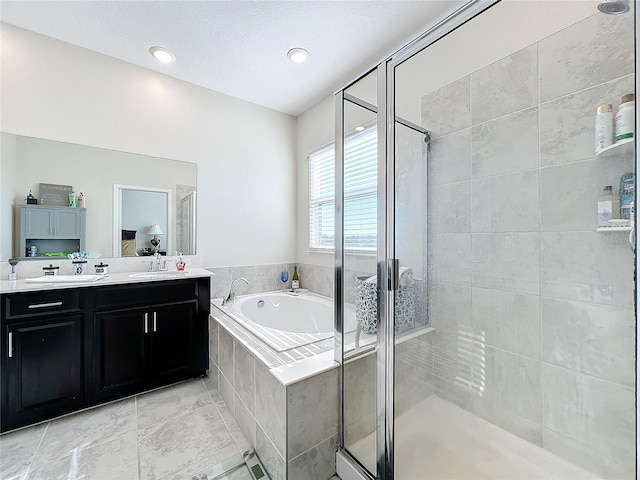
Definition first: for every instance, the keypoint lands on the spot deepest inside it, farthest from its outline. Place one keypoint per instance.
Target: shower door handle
(394, 273)
(632, 239)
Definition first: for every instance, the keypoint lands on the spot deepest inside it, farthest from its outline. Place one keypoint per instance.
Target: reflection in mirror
(25, 162)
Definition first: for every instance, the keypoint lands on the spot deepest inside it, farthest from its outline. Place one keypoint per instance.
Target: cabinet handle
(10, 344)
(155, 325)
(45, 305)
(146, 323)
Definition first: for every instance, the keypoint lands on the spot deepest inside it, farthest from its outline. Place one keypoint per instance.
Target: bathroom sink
(157, 275)
(65, 279)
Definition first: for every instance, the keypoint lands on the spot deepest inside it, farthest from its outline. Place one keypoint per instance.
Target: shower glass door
(512, 308)
(357, 172)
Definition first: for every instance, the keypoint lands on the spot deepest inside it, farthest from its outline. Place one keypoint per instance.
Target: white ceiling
(238, 47)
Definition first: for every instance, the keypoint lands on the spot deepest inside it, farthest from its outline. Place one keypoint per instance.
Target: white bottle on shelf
(604, 126)
(606, 207)
(626, 117)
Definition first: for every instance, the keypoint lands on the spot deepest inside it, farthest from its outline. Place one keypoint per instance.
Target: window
(360, 194)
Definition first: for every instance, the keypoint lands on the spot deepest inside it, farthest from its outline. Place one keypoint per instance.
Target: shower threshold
(243, 466)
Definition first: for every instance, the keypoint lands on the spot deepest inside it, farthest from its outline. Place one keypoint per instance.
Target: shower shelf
(619, 148)
(613, 229)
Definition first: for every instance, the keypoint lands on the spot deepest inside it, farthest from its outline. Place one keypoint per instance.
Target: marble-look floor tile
(17, 451)
(184, 443)
(114, 459)
(88, 429)
(170, 402)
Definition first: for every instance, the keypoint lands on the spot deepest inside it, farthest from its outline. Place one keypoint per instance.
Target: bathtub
(284, 321)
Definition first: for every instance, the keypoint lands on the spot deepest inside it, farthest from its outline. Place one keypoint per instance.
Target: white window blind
(360, 200)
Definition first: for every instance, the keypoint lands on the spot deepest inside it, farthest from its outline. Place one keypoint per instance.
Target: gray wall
(532, 307)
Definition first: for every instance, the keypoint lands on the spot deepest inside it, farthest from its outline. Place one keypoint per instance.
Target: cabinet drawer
(38, 303)
(145, 294)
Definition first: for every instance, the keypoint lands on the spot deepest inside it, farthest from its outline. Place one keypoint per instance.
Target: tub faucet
(231, 297)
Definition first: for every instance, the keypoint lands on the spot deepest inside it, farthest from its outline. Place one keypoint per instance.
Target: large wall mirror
(134, 203)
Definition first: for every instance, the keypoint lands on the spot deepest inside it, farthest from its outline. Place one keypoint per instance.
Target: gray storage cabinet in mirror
(51, 229)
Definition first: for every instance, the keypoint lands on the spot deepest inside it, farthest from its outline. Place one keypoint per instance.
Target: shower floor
(437, 439)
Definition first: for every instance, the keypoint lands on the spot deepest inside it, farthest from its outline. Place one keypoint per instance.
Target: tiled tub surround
(290, 418)
(533, 308)
(266, 278)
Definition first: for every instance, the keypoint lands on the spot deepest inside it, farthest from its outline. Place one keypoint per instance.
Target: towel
(406, 277)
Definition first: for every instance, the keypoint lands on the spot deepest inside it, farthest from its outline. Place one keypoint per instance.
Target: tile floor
(171, 433)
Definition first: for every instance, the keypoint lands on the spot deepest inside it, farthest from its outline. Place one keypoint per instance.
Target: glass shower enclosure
(496, 313)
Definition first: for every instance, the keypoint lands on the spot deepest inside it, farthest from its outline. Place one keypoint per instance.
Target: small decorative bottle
(295, 280)
(81, 203)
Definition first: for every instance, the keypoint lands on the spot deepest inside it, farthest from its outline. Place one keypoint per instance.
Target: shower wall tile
(450, 258)
(569, 193)
(446, 110)
(244, 375)
(512, 383)
(450, 369)
(449, 160)
(225, 345)
(270, 407)
(506, 203)
(506, 86)
(317, 462)
(506, 144)
(593, 51)
(312, 411)
(508, 261)
(580, 336)
(506, 320)
(271, 458)
(413, 371)
(510, 421)
(449, 306)
(589, 421)
(567, 125)
(587, 266)
(450, 208)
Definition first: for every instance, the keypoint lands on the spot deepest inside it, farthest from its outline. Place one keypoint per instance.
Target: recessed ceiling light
(359, 129)
(297, 55)
(162, 54)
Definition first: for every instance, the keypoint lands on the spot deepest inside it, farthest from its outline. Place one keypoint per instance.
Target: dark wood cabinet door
(120, 339)
(172, 339)
(44, 376)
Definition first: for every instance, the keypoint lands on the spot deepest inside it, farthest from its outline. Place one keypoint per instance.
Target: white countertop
(21, 285)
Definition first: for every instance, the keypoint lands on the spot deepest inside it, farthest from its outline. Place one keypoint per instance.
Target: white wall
(244, 152)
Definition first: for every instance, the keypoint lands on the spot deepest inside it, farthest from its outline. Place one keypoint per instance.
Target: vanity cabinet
(67, 349)
(147, 345)
(51, 228)
(42, 367)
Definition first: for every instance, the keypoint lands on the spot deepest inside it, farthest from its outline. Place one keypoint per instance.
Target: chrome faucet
(156, 265)
(231, 297)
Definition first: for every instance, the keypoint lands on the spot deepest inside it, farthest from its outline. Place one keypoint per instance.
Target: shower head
(614, 7)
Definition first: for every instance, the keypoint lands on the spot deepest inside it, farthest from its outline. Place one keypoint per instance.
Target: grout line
(46, 429)
(137, 432)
